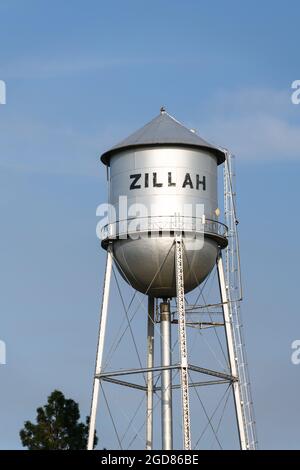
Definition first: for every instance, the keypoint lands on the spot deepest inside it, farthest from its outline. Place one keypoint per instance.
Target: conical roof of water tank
(164, 130)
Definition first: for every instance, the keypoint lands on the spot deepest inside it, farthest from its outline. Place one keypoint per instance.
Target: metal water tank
(162, 173)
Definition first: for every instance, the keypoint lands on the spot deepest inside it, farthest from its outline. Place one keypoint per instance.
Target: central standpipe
(166, 377)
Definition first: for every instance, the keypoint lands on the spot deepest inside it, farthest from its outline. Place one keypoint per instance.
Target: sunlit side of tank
(168, 180)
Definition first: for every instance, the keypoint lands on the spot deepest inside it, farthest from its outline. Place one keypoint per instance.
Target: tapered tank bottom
(148, 265)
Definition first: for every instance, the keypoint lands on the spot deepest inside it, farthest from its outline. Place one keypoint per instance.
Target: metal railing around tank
(163, 224)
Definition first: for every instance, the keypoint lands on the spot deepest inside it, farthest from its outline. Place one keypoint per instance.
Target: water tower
(164, 237)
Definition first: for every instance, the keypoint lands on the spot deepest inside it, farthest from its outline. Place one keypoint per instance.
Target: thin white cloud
(44, 68)
(40, 68)
(36, 147)
(257, 125)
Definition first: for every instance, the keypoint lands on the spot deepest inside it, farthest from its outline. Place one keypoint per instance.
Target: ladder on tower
(234, 296)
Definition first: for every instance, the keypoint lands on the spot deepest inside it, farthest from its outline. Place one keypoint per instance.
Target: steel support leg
(150, 364)
(99, 357)
(232, 356)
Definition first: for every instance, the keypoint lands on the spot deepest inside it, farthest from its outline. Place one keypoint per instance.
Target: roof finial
(162, 110)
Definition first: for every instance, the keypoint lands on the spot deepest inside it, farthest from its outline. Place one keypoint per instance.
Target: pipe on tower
(166, 377)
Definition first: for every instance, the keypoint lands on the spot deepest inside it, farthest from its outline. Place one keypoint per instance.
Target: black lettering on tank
(170, 182)
(188, 181)
(155, 183)
(203, 182)
(135, 179)
(146, 180)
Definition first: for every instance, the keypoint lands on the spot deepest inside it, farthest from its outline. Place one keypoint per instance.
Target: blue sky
(81, 76)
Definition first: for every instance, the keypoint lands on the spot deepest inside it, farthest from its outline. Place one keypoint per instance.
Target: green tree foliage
(57, 426)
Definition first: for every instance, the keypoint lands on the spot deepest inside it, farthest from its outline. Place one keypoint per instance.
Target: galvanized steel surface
(162, 130)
